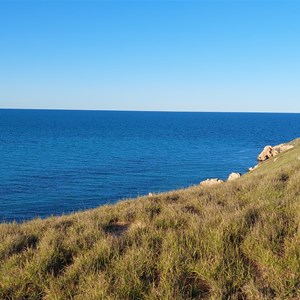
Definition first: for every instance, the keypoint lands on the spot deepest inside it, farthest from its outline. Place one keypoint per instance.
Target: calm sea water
(55, 162)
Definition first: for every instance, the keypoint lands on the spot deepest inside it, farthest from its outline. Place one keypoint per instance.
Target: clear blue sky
(150, 55)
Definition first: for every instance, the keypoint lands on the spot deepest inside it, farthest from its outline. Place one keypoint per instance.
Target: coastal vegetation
(235, 240)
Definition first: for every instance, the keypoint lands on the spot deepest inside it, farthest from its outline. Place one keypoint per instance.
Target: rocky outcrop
(234, 176)
(211, 181)
(284, 147)
(270, 151)
(266, 153)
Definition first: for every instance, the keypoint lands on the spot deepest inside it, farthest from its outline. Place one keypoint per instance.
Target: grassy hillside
(236, 240)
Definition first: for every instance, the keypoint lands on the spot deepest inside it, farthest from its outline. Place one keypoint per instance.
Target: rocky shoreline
(267, 152)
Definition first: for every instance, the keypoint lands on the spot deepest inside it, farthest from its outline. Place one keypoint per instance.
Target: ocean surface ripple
(56, 162)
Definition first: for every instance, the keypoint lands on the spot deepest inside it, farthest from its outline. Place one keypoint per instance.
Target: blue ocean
(56, 162)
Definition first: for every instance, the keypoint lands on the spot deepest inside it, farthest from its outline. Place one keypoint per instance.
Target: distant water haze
(55, 162)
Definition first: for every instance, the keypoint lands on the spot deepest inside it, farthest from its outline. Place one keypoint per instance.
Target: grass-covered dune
(235, 240)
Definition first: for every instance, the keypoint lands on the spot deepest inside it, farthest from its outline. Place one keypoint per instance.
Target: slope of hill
(234, 240)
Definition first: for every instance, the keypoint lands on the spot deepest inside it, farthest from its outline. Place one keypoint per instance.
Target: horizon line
(158, 111)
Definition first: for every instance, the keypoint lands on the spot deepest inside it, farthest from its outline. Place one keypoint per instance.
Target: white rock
(252, 168)
(211, 181)
(234, 176)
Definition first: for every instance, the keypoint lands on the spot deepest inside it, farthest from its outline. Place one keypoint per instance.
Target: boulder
(282, 147)
(266, 153)
(211, 181)
(270, 151)
(234, 176)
